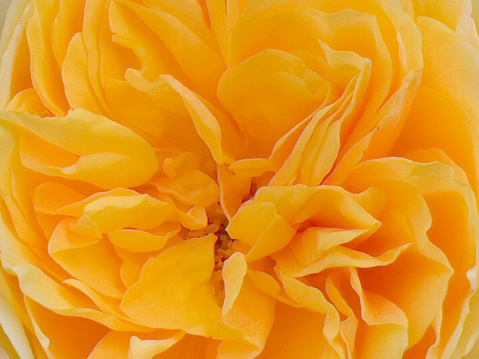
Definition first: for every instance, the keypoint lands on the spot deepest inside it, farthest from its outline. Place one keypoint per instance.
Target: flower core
(223, 246)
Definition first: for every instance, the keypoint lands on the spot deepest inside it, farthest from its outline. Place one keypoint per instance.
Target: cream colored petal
(445, 11)
(15, 24)
(3, 11)
(13, 334)
(6, 349)
(466, 25)
(45, 77)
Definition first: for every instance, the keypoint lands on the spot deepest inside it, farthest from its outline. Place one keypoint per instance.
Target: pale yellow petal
(45, 77)
(12, 35)
(13, 335)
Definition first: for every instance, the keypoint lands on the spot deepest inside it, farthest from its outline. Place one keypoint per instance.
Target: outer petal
(445, 112)
(13, 336)
(4, 5)
(88, 147)
(16, 21)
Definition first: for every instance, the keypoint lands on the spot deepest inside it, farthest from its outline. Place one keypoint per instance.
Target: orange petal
(163, 299)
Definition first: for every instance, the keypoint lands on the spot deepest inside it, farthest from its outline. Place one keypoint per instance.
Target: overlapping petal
(240, 179)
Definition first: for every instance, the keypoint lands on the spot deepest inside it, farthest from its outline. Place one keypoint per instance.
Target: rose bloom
(265, 179)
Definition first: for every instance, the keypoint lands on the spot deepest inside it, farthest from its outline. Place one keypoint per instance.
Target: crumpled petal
(95, 150)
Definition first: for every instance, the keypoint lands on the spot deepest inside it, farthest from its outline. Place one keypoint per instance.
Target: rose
(347, 224)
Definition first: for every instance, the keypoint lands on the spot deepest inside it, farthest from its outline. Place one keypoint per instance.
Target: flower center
(224, 243)
(223, 246)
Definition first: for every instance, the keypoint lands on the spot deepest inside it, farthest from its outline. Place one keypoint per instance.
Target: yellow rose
(242, 179)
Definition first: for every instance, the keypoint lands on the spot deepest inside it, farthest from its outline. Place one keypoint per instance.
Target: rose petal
(248, 313)
(162, 298)
(97, 148)
(91, 260)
